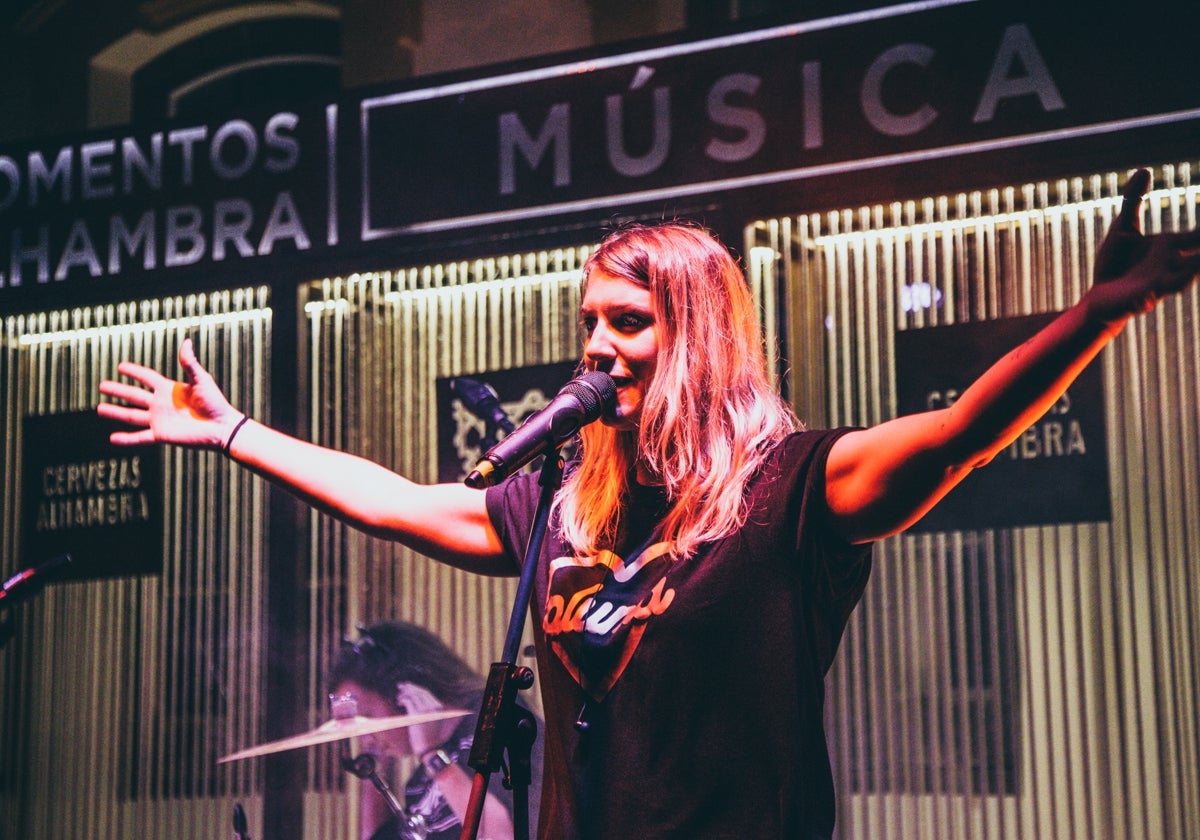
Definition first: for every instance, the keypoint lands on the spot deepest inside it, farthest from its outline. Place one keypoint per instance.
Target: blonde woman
(705, 552)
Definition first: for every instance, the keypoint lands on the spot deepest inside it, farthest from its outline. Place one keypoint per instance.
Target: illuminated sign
(824, 99)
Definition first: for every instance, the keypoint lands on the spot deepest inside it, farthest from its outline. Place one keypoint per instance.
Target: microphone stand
(503, 725)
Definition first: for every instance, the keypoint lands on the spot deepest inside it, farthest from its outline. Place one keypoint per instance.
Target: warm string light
(164, 325)
(1186, 194)
(923, 295)
(313, 308)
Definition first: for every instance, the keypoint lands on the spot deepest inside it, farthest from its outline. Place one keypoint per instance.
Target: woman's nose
(599, 345)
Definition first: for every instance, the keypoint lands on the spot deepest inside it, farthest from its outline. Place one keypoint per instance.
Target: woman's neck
(645, 477)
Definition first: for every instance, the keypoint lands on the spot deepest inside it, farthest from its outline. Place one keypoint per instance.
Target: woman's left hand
(1135, 271)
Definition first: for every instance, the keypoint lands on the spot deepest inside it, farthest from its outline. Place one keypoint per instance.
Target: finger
(1131, 200)
(1188, 240)
(137, 438)
(124, 391)
(124, 414)
(145, 375)
(191, 365)
(1181, 271)
(1189, 266)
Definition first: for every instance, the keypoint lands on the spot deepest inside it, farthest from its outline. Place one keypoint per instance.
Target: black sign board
(832, 98)
(465, 432)
(1055, 473)
(100, 503)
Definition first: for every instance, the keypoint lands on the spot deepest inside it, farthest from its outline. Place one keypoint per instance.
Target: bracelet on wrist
(237, 428)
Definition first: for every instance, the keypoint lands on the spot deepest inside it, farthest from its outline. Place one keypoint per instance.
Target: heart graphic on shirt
(597, 609)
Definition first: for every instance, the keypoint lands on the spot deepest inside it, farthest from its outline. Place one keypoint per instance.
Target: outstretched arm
(881, 480)
(446, 521)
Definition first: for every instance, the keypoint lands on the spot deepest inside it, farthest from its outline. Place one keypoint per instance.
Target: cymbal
(337, 729)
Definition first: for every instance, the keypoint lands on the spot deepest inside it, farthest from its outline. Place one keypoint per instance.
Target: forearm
(446, 522)
(1025, 383)
(337, 482)
(882, 479)
(495, 823)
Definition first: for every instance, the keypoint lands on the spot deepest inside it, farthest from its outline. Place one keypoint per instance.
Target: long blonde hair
(710, 414)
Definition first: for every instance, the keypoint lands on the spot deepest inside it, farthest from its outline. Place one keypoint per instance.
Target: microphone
(482, 400)
(25, 584)
(581, 401)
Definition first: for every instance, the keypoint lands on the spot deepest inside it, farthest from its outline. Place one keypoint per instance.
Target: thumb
(187, 355)
(1134, 191)
(192, 368)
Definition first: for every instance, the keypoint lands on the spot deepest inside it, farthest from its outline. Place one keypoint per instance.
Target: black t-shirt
(701, 682)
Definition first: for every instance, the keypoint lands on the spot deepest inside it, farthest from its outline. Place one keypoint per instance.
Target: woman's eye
(630, 323)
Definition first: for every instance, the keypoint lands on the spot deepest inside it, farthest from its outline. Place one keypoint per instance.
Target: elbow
(966, 452)
(892, 510)
(981, 461)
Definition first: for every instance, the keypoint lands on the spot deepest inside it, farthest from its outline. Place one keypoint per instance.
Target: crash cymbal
(339, 728)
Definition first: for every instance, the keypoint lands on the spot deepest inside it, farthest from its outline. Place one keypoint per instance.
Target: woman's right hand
(448, 522)
(164, 410)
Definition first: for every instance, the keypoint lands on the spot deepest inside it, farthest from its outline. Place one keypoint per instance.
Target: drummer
(397, 668)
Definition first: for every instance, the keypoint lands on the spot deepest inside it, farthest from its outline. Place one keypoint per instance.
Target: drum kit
(342, 728)
(346, 724)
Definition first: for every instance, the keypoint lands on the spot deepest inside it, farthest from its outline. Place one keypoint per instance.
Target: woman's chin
(619, 420)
